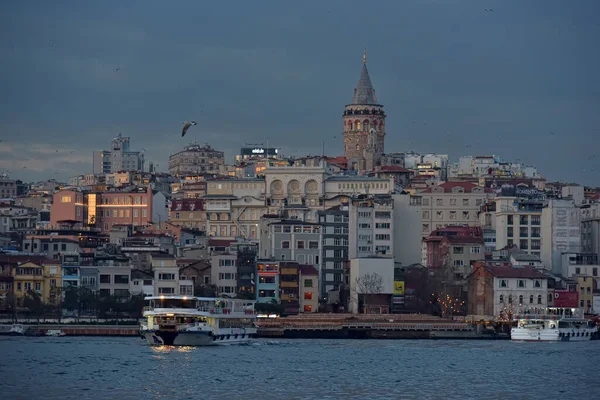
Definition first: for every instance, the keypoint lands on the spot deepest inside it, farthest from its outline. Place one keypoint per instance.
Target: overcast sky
(498, 81)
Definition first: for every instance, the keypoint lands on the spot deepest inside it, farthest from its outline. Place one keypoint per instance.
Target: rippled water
(125, 368)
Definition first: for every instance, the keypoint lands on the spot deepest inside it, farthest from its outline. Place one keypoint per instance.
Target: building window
(452, 215)
(475, 250)
(520, 299)
(459, 263)
(539, 299)
(425, 201)
(300, 244)
(535, 220)
(285, 244)
(521, 283)
(65, 199)
(453, 201)
(104, 278)
(509, 220)
(465, 202)
(307, 308)
(537, 283)
(458, 250)
(166, 290)
(531, 299)
(523, 244)
(524, 219)
(524, 231)
(439, 214)
(313, 244)
(308, 296)
(166, 277)
(439, 202)
(308, 283)
(465, 215)
(501, 299)
(503, 283)
(510, 299)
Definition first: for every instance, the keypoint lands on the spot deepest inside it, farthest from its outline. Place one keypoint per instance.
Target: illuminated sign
(398, 288)
(258, 151)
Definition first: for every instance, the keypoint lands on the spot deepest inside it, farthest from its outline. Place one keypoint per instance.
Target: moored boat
(55, 332)
(197, 321)
(553, 324)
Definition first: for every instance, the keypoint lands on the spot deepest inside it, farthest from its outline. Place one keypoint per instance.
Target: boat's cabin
(210, 305)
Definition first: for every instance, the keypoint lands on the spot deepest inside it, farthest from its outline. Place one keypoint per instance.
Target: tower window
(357, 147)
(350, 124)
(366, 124)
(358, 125)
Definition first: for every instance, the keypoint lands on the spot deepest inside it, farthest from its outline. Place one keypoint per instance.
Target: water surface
(126, 368)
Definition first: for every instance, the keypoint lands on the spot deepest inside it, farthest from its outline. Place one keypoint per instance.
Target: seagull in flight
(186, 126)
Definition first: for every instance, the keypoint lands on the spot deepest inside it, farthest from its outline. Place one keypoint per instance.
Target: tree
(246, 296)
(33, 302)
(365, 287)
(205, 290)
(71, 298)
(136, 306)
(448, 305)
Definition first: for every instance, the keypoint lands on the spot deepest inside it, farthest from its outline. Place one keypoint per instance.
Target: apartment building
(334, 252)
(370, 227)
(560, 232)
(188, 213)
(224, 273)
(309, 289)
(166, 274)
(519, 223)
(590, 228)
(451, 203)
(267, 286)
(195, 159)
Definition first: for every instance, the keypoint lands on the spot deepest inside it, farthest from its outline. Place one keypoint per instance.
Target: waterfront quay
(360, 326)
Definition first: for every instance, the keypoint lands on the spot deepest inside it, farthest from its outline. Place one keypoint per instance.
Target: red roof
(308, 270)
(220, 242)
(20, 259)
(464, 239)
(511, 272)
(187, 205)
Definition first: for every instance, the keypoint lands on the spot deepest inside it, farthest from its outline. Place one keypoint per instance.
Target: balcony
(288, 284)
(289, 271)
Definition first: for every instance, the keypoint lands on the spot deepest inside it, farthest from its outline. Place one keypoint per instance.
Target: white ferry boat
(553, 325)
(55, 332)
(197, 321)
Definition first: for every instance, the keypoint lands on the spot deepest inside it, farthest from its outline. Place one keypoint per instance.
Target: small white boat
(197, 321)
(55, 332)
(553, 324)
(17, 330)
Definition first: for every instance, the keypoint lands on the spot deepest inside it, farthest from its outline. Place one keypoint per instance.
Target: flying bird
(186, 126)
(552, 133)
(117, 69)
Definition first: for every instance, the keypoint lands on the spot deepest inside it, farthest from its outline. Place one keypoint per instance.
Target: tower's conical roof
(364, 92)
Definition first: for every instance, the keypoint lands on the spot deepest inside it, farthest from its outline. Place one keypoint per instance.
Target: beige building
(166, 274)
(309, 289)
(195, 160)
(224, 274)
(451, 203)
(518, 223)
(234, 207)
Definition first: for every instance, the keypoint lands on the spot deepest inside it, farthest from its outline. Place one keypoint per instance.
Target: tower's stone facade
(364, 125)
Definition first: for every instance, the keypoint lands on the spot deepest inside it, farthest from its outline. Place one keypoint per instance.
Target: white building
(361, 267)
(118, 158)
(406, 229)
(518, 289)
(224, 274)
(141, 283)
(370, 231)
(518, 222)
(561, 232)
(196, 160)
(590, 228)
(166, 275)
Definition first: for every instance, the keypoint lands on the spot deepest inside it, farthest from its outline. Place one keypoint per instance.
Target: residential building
(451, 203)
(247, 254)
(334, 251)
(224, 273)
(195, 159)
(585, 287)
(118, 158)
(576, 264)
(267, 286)
(364, 125)
(6, 287)
(370, 227)
(289, 287)
(114, 276)
(8, 187)
(590, 228)
(309, 289)
(561, 232)
(188, 213)
(406, 228)
(518, 223)
(71, 270)
(455, 248)
(371, 282)
(166, 274)
(142, 283)
(499, 292)
(291, 240)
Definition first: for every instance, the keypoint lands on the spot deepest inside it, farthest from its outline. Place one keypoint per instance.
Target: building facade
(118, 158)
(334, 224)
(195, 160)
(370, 231)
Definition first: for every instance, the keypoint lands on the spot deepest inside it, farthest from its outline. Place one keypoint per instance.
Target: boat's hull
(551, 335)
(193, 338)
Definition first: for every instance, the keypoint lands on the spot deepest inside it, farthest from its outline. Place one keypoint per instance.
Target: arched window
(501, 299)
(520, 299)
(358, 125)
(366, 125)
(350, 124)
(539, 299)
(531, 299)
(357, 147)
(509, 299)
